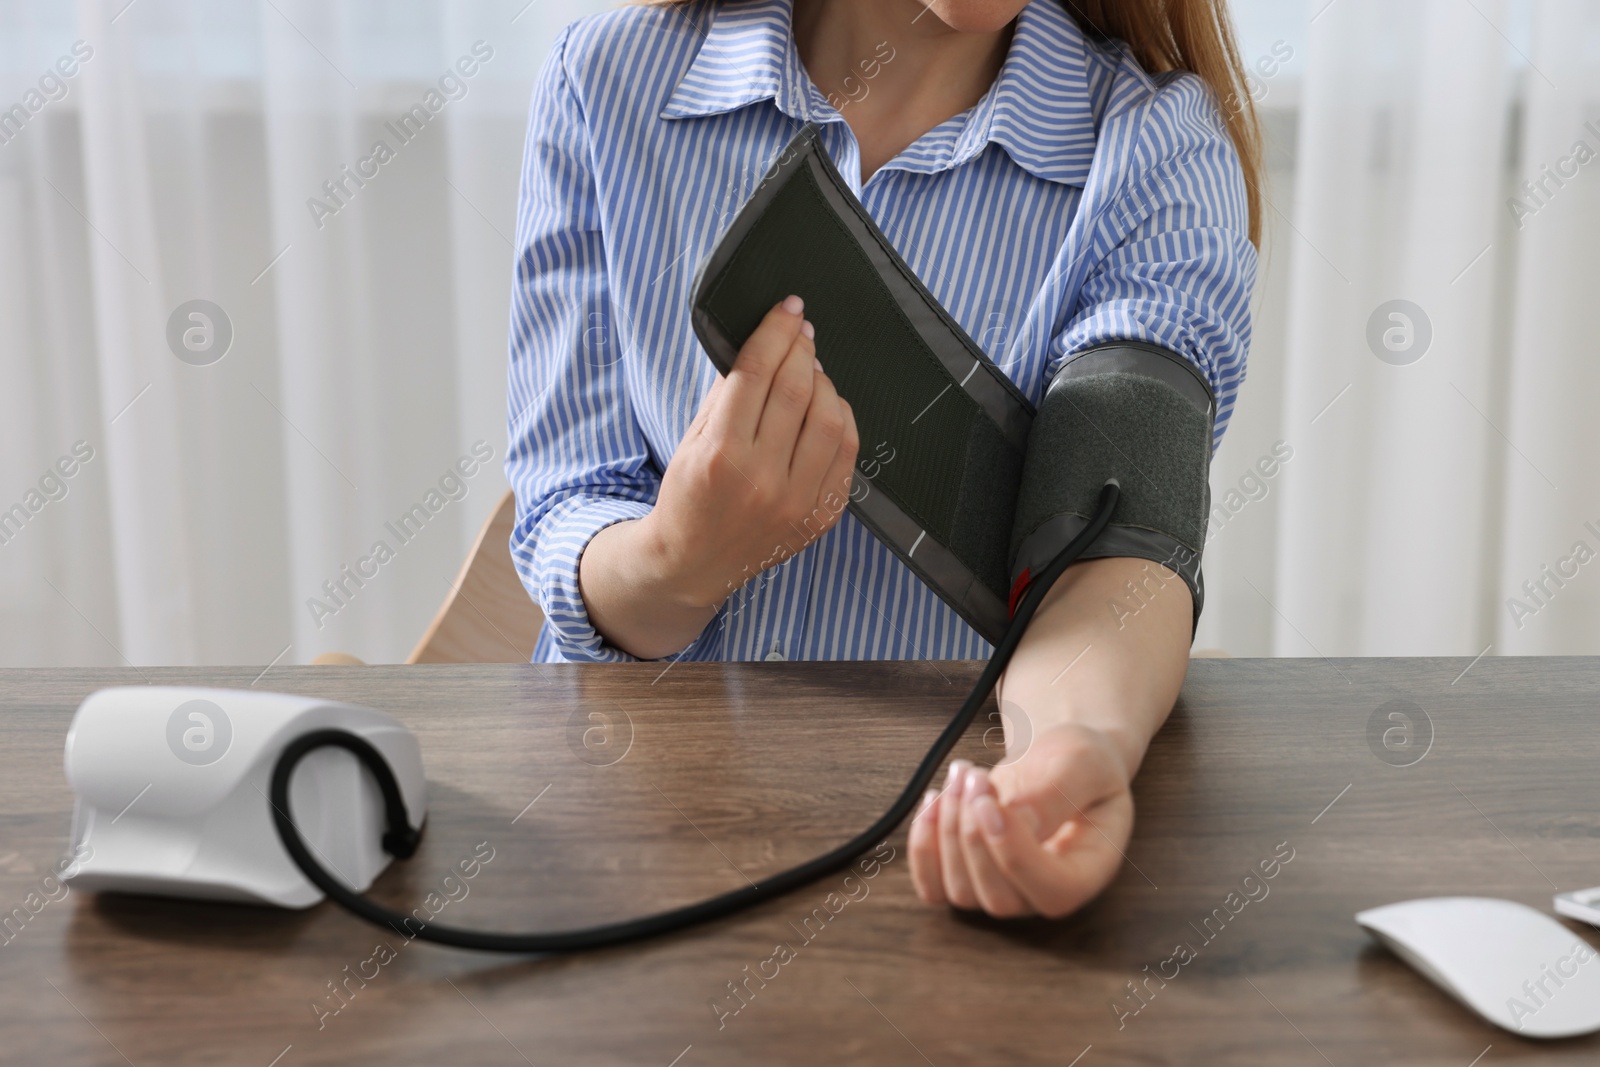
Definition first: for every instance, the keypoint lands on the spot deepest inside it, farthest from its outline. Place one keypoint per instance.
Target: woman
(1053, 188)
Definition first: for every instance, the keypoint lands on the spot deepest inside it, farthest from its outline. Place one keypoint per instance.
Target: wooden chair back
(488, 617)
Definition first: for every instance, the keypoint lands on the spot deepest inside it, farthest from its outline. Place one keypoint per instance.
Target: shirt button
(776, 653)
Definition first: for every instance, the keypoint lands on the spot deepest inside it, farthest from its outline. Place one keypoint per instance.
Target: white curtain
(1386, 533)
(1367, 505)
(1427, 482)
(367, 357)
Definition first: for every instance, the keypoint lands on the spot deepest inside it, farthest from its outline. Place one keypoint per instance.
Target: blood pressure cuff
(959, 475)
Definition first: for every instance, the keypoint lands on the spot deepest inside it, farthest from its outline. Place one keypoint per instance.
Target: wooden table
(735, 771)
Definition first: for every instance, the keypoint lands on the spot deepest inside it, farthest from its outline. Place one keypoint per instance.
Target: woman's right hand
(764, 469)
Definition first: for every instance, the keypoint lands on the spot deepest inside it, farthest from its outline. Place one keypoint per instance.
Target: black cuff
(1143, 416)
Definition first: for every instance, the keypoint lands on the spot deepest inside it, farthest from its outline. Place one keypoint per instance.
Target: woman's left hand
(1042, 835)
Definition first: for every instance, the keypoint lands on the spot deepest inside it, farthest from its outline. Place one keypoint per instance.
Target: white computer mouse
(1516, 967)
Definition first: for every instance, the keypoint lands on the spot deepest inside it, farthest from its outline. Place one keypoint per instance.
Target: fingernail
(810, 331)
(927, 800)
(817, 363)
(987, 812)
(793, 304)
(974, 786)
(956, 777)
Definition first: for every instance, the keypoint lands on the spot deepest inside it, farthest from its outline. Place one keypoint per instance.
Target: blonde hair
(1189, 35)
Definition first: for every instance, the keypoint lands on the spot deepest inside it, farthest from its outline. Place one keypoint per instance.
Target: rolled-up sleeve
(1173, 265)
(577, 459)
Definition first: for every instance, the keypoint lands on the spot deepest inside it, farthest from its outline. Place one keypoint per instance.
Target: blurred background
(225, 365)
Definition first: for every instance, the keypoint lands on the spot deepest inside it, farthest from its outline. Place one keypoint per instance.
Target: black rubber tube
(401, 839)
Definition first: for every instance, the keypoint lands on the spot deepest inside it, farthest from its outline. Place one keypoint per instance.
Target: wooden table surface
(731, 772)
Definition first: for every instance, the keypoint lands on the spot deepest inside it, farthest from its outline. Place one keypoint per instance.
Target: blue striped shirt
(1080, 201)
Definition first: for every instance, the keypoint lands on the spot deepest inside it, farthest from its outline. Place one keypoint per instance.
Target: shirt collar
(1043, 108)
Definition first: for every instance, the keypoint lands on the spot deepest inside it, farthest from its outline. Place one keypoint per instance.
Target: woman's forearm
(1103, 654)
(633, 600)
